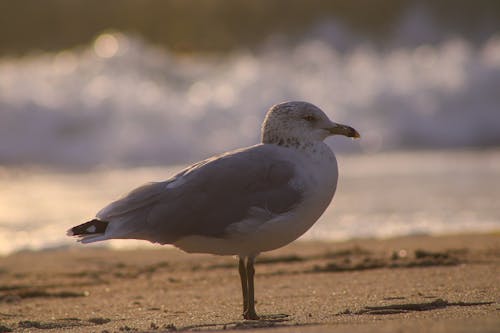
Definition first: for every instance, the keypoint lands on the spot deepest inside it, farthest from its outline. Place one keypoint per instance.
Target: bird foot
(250, 315)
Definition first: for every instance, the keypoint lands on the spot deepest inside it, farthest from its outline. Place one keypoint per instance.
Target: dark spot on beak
(344, 130)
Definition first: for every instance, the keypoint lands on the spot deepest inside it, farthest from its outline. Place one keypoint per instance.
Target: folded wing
(205, 199)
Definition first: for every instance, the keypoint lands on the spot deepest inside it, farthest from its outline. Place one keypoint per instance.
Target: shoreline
(414, 283)
(430, 192)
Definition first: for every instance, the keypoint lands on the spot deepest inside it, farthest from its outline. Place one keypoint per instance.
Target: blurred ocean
(80, 127)
(122, 102)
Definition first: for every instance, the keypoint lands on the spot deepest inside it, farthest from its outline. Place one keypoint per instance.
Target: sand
(411, 284)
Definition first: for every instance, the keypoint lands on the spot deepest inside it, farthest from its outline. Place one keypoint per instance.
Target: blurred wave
(122, 102)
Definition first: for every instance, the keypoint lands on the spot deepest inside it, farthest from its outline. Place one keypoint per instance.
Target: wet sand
(411, 284)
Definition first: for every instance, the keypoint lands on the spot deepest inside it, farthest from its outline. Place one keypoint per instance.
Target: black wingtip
(88, 228)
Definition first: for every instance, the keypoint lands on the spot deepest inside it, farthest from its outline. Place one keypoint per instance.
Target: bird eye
(309, 118)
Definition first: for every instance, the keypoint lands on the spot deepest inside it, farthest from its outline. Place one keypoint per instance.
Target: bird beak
(343, 130)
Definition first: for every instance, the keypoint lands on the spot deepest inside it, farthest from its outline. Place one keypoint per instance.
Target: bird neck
(290, 142)
(313, 148)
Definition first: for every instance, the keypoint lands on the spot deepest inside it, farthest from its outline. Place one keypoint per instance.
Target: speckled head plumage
(295, 123)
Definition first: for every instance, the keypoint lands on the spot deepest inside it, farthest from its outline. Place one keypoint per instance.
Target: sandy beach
(99, 98)
(418, 283)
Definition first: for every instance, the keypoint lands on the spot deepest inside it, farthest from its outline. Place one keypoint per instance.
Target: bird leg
(250, 314)
(247, 273)
(244, 283)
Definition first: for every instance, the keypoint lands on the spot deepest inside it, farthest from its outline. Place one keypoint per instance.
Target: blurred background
(99, 96)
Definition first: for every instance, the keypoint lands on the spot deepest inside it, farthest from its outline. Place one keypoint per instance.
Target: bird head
(290, 122)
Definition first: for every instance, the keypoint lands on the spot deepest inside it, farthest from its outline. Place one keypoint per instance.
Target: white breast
(318, 174)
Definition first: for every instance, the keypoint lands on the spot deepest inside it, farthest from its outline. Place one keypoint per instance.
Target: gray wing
(207, 197)
(141, 197)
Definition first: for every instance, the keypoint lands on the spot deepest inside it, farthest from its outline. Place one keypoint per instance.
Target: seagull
(239, 203)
